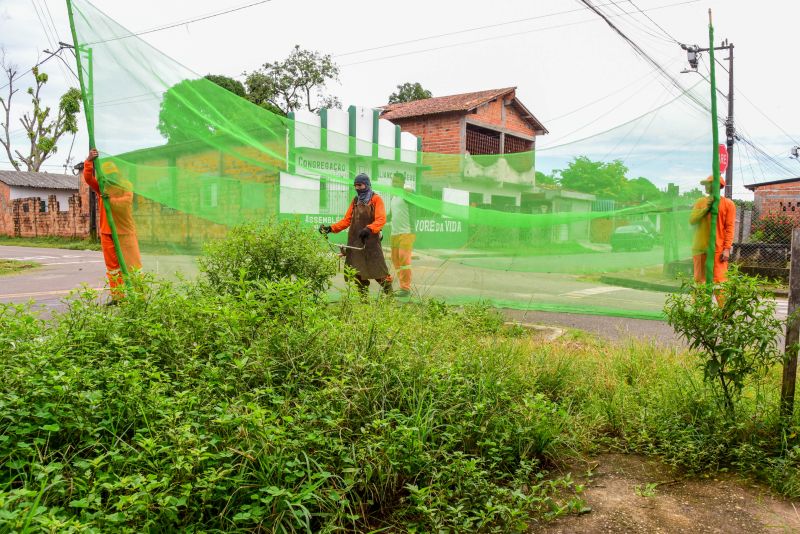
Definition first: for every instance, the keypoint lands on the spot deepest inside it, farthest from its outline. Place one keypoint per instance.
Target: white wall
(62, 195)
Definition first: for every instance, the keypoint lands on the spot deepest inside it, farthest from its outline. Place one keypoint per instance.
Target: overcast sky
(560, 56)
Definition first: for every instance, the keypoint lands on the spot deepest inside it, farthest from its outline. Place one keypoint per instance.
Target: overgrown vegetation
(734, 328)
(258, 409)
(245, 404)
(271, 251)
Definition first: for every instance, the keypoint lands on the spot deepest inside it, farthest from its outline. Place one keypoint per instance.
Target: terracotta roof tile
(442, 104)
(449, 104)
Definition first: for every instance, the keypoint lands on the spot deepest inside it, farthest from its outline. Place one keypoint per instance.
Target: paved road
(61, 272)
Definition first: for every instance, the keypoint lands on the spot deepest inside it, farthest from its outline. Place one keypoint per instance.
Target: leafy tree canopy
(408, 92)
(299, 81)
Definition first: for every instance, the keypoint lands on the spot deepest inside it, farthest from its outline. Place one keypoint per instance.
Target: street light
(692, 55)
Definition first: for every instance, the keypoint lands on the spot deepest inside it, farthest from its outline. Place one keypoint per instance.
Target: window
(515, 144)
(482, 140)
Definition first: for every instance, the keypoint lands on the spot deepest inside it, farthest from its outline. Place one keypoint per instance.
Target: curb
(551, 333)
(640, 284)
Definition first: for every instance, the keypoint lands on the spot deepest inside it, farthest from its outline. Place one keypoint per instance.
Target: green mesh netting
(489, 227)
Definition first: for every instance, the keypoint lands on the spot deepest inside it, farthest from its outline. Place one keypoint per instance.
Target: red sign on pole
(723, 158)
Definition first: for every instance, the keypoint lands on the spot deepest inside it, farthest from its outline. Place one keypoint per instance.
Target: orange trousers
(720, 268)
(130, 251)
(402, 245)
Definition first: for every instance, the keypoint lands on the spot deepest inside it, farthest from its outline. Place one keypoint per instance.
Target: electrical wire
(605, 97)
(52, 39)
(642, 53)
(654, 22)
(183, 22)
(458, 32)
(463, 43)
(675, 99)
(637, 24)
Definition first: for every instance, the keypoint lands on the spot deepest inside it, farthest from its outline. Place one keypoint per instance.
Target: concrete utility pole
(692, 52)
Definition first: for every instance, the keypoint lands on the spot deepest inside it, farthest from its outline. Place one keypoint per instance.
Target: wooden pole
(792, 331)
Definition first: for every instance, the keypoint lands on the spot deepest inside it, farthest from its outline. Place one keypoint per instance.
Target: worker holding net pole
(700, 218)
(118, 195)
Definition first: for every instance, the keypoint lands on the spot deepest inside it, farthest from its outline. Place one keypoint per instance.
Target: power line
(462, 43)
(609, 95)
(766, 156)
(641, 52)
(52, 22)
(458, 32)
(635, 22)
(685, 91)
(47, 32)
(654, 22)
(183, 23)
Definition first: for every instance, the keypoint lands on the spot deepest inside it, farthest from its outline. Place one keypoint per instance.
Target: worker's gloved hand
(325, 229)
(364, 234)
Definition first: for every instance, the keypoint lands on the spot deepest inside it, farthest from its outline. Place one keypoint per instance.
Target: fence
(762, 243)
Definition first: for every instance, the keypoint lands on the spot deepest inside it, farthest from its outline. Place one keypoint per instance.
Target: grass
(242, 402)
(290, 416)
(50, 242)
(283, 416)
(14, 266)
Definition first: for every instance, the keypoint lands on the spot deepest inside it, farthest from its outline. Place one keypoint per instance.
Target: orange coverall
(701, 218)
(122, 211)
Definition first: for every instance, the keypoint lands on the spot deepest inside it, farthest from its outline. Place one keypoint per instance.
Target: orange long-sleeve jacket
(121, 203)
(701, 218)
(377, 223)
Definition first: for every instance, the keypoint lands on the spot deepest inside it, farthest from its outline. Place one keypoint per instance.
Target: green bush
(271, 251)
(184, 408)
(736, 333)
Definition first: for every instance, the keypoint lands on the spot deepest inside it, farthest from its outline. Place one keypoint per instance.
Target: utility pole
(693, 52)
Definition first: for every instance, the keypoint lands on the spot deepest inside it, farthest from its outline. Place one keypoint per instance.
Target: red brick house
(779, 197)
(483, 122)
(41, 204)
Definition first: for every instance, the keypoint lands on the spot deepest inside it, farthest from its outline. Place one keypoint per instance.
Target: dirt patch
(629, 493)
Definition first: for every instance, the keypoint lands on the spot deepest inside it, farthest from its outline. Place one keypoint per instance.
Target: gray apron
(368, 263)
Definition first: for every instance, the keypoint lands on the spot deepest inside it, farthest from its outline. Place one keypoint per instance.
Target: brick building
(477, 125)
(779, 197)
(34, 204)
(483, 122)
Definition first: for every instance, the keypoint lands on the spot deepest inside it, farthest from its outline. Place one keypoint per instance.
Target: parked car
(633, 237)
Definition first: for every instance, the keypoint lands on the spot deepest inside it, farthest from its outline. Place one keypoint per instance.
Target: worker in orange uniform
(365, 218)
(701, 219)
(402, 240)
(119, 193)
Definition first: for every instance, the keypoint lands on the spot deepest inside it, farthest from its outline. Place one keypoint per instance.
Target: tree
(548, 181)
(408, 92)
(43, 131)
(299, 81)
(736, 336)
(640, 190)
(234, 86)
(198, 110)
(606, 180)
